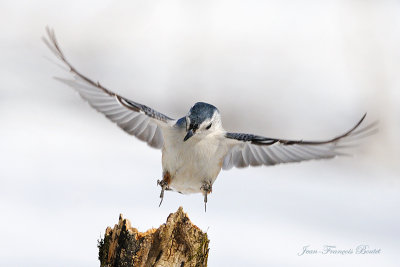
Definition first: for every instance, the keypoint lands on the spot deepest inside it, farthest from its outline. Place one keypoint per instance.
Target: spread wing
(136, 119)
(253, 150)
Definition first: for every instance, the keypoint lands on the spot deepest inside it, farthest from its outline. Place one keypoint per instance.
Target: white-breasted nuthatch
(196, 147)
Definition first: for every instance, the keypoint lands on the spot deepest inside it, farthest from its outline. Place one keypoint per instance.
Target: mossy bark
(178, 242)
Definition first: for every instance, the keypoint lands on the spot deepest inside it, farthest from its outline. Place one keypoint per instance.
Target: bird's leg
(164, 185)
(207, 189)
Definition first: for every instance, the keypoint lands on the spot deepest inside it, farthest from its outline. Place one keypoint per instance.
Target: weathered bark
(178, 242)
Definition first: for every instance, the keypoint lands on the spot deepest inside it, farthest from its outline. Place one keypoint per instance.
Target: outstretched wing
(136, 119)
(253, 150)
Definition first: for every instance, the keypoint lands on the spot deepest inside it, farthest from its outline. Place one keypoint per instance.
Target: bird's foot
(207, 189)
(164, 186)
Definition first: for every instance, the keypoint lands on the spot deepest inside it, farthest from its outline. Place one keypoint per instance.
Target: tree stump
(178, 242)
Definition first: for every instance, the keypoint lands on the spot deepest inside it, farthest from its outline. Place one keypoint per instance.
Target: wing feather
(136, 119)
(254, 150)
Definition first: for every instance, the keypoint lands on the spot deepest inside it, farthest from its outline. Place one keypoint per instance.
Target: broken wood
(178, 242)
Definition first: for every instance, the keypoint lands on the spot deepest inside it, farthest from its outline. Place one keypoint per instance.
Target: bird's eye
(209, 126)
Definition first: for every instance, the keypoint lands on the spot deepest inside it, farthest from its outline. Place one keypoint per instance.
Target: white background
(289, 69)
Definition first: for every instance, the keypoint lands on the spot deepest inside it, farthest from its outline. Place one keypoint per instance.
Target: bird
(196, 147)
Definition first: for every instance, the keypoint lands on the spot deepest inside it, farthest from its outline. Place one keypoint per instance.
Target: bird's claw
(207, 189)
(164, 186)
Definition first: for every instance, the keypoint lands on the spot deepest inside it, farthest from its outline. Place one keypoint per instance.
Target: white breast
(193, 162)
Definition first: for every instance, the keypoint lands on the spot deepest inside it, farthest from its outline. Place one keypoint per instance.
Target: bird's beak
(189, 134)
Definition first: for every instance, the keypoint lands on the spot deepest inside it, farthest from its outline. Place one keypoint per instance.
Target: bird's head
(202, 119)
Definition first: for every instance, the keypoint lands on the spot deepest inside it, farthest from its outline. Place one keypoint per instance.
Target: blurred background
(288, 69)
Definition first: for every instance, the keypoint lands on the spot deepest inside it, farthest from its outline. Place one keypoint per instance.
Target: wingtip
(358, 124)
(365, 115)
(49, 30)
(362, 118)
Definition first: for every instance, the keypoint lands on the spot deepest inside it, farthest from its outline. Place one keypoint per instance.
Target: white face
(207, 127)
